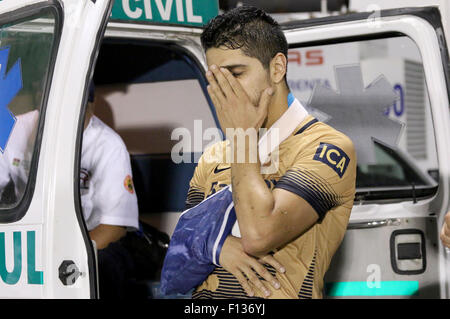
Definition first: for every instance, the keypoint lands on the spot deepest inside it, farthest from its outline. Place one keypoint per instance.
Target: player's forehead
(224, 57)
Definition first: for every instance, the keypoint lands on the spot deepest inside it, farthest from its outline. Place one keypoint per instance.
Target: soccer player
(295, 216)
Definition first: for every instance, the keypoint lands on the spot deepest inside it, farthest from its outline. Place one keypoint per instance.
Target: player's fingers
(270, 260)
(215, 87)
(445, 237)
(234, 83)
(213, 97)
(446, 230)
(217, 107)
(264, 273)
(243, 282)
(446, 242)
(264, 102)
(251, 275)
(447, 223)
(222, 81)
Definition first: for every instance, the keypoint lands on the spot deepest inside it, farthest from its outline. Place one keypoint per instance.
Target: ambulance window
(26, 50)
(375, 92)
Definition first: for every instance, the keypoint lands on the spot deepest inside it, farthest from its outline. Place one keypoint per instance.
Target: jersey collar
(282, 128)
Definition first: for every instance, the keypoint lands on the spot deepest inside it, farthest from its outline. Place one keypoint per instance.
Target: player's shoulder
(213, 157)
(215, 154)
(333, 149)
(320, 143)
(337, 138)
(320, 134)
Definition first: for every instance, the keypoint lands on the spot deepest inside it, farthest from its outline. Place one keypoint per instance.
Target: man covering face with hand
(290, 220)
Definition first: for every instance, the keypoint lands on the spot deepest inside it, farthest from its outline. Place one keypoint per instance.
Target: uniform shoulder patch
(128, 183)
(332, 156)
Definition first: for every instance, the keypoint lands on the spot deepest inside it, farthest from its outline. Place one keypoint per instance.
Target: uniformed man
(106, 184)
(296, 215)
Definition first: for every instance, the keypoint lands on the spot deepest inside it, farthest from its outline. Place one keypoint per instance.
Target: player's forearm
(253, 203)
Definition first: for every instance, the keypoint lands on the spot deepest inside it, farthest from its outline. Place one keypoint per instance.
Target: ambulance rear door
(382, 79)
(47, 52)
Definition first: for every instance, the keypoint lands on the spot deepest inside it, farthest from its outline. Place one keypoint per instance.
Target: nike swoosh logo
(217, 170)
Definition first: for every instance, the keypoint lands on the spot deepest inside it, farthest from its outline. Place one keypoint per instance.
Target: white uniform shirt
(106, 185)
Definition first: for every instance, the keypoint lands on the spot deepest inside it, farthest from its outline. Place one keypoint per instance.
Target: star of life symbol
(357, 111)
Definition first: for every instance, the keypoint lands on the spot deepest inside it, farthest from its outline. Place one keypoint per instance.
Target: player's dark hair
(247, 28)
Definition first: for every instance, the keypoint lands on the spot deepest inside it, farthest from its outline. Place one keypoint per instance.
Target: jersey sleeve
(196, 192)
(323, 174)
(115, 198)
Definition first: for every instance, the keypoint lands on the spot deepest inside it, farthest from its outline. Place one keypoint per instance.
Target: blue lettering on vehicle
(399, 105)
(10, 85)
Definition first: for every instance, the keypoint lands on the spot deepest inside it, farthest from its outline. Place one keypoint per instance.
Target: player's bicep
(311, 188)
(293, 216)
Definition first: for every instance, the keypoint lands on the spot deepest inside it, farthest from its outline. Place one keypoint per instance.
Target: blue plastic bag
(196, 243)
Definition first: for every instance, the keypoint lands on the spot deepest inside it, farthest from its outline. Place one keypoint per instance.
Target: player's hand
(445, 232)
(239, 264)
(233, 106)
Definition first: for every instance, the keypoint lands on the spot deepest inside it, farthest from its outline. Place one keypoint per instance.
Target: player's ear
(278, 67)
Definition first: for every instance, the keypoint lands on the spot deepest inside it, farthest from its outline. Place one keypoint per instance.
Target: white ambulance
(148, 66)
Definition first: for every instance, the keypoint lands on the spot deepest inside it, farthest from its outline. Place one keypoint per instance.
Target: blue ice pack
(196, 243)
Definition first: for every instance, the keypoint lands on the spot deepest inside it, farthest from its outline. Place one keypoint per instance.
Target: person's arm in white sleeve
(115, 198)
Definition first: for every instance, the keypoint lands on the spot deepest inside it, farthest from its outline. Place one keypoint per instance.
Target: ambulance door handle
(69, 272)
(374, 223)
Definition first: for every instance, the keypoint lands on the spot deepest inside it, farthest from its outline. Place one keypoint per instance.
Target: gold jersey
(317, 163)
